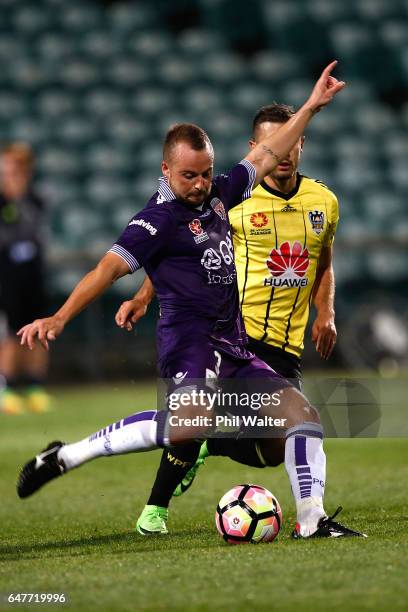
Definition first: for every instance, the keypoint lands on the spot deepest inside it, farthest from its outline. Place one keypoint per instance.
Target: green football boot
(188, 479)
(152, 521)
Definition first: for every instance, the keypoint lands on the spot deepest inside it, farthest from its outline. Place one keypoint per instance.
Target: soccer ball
(248, 513)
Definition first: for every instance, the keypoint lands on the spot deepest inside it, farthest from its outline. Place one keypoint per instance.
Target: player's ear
(252, 143)
(165, 168)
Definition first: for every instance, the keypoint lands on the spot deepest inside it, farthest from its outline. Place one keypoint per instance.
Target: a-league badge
(316, 218)
(218, 207)
(259, 219)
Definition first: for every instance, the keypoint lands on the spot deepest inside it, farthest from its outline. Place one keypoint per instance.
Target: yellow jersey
(278, 239)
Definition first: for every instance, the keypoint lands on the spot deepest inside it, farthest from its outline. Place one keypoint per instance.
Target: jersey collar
(167, 195)
(164, 190)
(280, 194)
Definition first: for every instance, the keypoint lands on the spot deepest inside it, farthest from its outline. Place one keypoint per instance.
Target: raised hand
(325, 89)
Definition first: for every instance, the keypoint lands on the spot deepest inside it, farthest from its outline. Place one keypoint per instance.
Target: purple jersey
(187, 252)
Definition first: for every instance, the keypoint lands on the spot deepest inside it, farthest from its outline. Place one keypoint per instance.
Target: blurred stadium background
(93, 86)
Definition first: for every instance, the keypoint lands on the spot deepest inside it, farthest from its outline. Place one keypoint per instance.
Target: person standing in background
(22, 288)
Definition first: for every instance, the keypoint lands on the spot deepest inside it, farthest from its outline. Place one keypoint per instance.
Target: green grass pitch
(76, 535)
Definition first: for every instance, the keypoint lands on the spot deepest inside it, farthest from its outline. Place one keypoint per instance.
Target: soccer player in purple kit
(182, 239)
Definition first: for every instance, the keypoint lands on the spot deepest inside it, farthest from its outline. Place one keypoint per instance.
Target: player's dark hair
(274, 113)
(192, 134)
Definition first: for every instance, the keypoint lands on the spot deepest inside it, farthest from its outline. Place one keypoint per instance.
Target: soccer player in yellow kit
(283, 236)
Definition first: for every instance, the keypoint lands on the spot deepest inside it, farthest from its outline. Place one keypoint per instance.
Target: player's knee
(307, 412)
(297, 409)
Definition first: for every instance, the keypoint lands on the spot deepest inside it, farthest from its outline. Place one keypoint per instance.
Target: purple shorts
(209, 364)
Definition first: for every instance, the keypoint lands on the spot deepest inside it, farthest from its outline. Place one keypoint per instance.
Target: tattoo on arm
(272, 153)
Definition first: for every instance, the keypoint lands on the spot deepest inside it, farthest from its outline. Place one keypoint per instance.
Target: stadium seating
(93, 89)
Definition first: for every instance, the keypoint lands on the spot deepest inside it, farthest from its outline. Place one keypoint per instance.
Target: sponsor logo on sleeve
(146, 225)
(316, 218)
(288, 266)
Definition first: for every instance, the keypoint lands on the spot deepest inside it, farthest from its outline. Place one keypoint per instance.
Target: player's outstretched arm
(269, 152)
(132, 310)
(109, 269)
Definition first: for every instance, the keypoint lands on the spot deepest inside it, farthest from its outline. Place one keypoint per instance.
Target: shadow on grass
(131, 541)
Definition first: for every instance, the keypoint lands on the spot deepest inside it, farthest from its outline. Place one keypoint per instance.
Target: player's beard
(196, 199)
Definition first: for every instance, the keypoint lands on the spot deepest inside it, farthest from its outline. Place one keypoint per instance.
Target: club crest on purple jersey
(199, 234)
(218, 207)
(195, 227)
